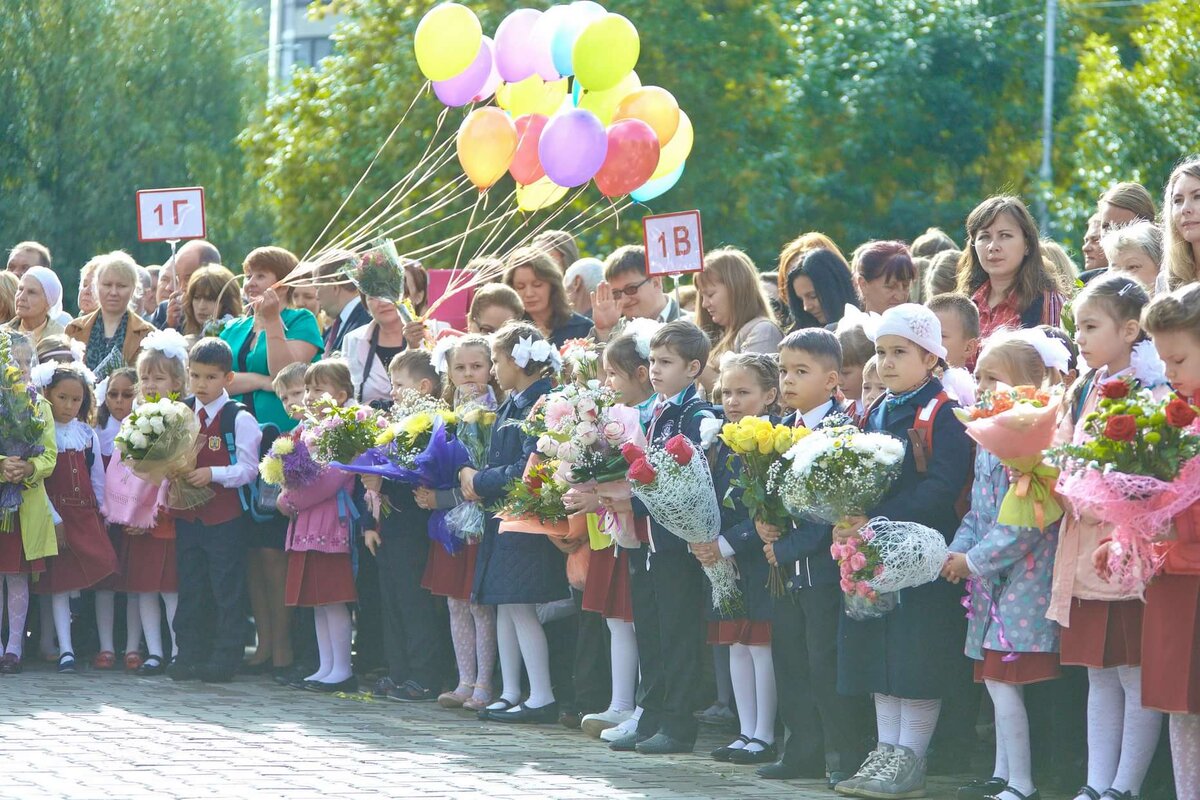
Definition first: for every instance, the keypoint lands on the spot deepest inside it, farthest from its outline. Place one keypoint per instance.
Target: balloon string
(366, 172)
(445, 195)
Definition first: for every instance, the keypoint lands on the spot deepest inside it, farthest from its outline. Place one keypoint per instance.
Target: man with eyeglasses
(627, 293)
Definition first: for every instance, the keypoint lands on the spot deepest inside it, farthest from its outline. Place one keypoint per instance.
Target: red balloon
(633, 150)
(526, 167)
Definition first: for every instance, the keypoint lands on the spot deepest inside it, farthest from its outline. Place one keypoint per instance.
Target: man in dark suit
(339, 300)
(192, 256)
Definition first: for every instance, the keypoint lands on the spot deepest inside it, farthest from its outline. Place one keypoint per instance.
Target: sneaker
(902, 776)
(619, 731)
(595, 724)
(716, 714)
(383, 686)
(412, 692)
(875, 759)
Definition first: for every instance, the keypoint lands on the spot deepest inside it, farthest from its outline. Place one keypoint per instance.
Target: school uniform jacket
(739, 532)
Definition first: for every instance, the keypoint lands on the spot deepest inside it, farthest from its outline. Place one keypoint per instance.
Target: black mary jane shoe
(485, 714)
(980, 788)
(768, 754)
(723, 753)
(322, 687)
(153, 665)
(524, 715)
(1008, 791)
(66, 663)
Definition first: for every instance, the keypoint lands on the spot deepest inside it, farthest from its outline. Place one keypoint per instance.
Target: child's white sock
(324, 645)
(510, 657)
(61, 603)
(151, 616)
(1185, 753)
(1105, 721)
(535, 653)
(741, 674)
(1139, 736)
(171, 601)
(105, 614)
(918, 718)
(765, 694)
(887, 719)
(341, 635)
(133, 624)
(18, 611)
(1012, 734)
(624, 656)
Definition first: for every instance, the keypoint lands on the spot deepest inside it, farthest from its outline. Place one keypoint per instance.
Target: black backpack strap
(227, 418)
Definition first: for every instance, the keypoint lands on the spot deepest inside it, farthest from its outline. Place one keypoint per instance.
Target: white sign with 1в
(166, 215)
(674, 243)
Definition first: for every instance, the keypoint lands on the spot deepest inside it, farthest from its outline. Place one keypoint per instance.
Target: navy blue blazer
(738, 529)
(803, 550)
(577, 326)
(682, 417)
(358, 317)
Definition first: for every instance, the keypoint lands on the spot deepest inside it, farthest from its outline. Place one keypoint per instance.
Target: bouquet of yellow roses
(760, 445)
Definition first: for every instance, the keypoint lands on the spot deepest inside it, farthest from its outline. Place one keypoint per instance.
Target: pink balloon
(542, 40)
(466, 86)
(526, 168)
(514, 57)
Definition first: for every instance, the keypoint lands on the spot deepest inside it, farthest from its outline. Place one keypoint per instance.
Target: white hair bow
(642, 329)
(169, 342)
(41, 375)
(540, 351)
(853, 317)
(1054, 353)
(441, 352)
(1147, 367)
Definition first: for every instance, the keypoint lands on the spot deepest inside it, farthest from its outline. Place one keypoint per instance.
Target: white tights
(334, 636)
(473, 631)
(624, 654)
(753, 675)
(18, 610)
(1013, 760)
(520, 637)
(151, 614)
(907, 723)
(106, 621)
(1122, 734)
(1185, 753)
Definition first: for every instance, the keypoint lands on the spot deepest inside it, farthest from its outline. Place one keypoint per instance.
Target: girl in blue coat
(516, 571)
(906, 658)
(1009, 637)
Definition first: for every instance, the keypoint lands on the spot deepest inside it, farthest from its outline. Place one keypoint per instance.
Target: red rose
(631, 453)
(1179, 413)
(641, 472)
(1114, 389)
(680, 449)
(1121, 428)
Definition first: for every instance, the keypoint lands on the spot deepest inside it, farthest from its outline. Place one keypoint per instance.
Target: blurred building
(294, 39)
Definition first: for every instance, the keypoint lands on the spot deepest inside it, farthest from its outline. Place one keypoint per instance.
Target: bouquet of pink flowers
(341, 433)
(883, 558)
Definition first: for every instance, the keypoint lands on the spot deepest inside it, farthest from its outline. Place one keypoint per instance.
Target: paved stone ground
(111, 735)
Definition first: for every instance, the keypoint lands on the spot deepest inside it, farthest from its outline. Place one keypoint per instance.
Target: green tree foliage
(104, 97)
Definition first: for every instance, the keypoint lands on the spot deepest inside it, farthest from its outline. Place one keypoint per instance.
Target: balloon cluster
(569, 107)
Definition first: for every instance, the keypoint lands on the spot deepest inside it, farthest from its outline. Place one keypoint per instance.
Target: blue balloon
(652, 189)
(562, 46)
(576, 93)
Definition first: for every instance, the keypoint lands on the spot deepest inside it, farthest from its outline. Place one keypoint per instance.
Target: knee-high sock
(1105, 722)
(534, 652)
(61, 603)
(741, 674)
(624, 659)
(18, 610)
(46, 615)
(721, 672)
(105, 614)
(887, 718)
(1185, 753)
(151, 615)
(341, 636)
(918, 718)
(133, 624)
(765, 693)
(462, 634)
(324, 645)
(1012, 734)
(1001, 768)
(1139, 737)
(510, 655)
(171, 601)
(485, 648)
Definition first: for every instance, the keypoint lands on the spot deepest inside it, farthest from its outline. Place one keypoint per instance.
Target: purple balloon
(515, 59)
(573, 147)
(463, 88)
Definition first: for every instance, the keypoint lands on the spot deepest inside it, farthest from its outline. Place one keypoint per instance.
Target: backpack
(259, 499)
(920, 438)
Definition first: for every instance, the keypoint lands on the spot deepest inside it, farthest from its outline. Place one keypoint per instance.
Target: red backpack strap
(920, 435)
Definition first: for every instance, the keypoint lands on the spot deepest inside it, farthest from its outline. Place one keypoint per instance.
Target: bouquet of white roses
(159, 442)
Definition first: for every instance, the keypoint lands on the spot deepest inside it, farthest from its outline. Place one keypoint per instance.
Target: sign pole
(174, 273)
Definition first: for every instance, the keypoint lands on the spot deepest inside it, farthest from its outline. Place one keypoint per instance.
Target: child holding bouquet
(1008, 564)
(320, 575)
(1102, 622)
(907, 657)
(516, 571)
(76, 489)
(749, 389)
(28, 457)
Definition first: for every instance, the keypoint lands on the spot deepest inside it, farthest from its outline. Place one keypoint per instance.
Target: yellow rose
(766, 440)
(783, 439)
(472, 416)
(744, 441)
(489, 418)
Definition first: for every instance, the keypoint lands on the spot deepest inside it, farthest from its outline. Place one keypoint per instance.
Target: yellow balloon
(487, 143)
(543, 193)
(532, 96)
(447, 41)
(606, 52)
(654, 106)
(604, 104)
(676, 151)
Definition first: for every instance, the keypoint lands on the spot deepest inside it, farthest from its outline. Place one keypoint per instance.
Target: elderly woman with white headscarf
(38, 293)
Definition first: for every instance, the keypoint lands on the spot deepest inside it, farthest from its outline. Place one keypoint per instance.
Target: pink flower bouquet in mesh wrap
(1140, 469)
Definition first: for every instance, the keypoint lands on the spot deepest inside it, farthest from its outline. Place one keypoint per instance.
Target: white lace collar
(73, 435)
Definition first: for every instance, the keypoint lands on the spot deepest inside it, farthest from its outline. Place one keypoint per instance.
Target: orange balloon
(654, 106)
(487, 144)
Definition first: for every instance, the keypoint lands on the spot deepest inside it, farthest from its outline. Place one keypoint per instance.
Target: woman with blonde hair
(733, 310)
(1061, 266)
(8, 294)
(113, 332)
(539, 283)
(1181, 227)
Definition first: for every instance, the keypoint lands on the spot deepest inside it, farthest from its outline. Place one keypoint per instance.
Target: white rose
(568, 453)
(157, 425)
(547, 446)
(586, 434)
(137, 440)
(143, 425)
